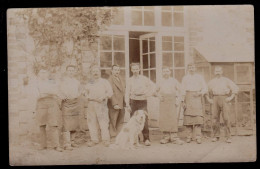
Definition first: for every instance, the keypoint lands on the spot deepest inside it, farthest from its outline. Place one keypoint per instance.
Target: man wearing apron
(70, 91)
(223, 91)
(48, 114)
(194, 88)
(169, 91)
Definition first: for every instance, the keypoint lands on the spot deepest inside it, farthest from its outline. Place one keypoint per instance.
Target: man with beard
(98, 90)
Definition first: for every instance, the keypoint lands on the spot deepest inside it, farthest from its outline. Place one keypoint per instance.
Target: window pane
(243, 96)
(106, 59)
(119, 58)
(243, 74)
(149, 8)
(145, 46)
(179, 73)
(178, 8)
(166, 18)
(105, 73)
(178, 19)
(152, 44)
(167, 43)
(145, 73)
(153, 75)
(179, 39)
(136, 17)
(148, 18)
(167, 59)
(106, 42)
(145, 61)
(137, 7)
(179, 59)
(178, 46)
(166, 8)
(152, 60)
(119, 43)
(118, 18)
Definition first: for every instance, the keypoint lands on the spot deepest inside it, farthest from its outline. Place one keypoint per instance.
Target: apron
(194, 110)
(193, 104)
(168, 113)
(71, 110)
(48, 112)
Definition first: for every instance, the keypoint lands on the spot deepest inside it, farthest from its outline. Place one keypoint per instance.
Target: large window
(172, 16)
(112, 51)
(173, 55)
(143, 16)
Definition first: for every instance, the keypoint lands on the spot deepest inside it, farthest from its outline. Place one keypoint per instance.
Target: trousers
(141, 105)
(116, 121)
(49, 136)
(193, 131)
(220, 106)
(98, 119)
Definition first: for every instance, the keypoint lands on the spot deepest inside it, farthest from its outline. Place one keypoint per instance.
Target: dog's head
(140, 116)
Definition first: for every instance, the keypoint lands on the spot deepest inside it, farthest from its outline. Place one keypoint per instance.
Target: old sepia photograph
(131, 85)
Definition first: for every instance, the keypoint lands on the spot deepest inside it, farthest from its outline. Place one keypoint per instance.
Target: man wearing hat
(223, 91)
(193, 90)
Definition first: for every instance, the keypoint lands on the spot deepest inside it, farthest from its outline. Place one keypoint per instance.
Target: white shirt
(194, 83)
(98, 88)
(222, 86)
(47, 87)
(140, 87)
(169, 86)
(70, 88)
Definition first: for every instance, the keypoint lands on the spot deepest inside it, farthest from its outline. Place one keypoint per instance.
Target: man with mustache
(140, 89)
(194, 88)
(97, 92)
(223, 91)
(48, 114)
(70, 90)
(117, 102)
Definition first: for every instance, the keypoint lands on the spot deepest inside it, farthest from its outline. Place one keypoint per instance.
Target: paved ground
(242, 149)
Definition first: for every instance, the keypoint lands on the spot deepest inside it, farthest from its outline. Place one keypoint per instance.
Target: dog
(128, 136)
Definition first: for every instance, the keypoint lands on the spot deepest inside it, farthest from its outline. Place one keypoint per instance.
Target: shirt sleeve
(232, 86)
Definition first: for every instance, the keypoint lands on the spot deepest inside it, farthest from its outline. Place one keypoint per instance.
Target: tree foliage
(60, 31)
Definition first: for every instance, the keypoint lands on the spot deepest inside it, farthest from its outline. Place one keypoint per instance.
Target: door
(148, 55)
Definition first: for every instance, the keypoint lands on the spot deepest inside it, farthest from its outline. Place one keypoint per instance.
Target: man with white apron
(169, 91)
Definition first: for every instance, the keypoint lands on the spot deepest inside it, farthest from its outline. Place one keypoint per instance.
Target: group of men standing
(60, 103)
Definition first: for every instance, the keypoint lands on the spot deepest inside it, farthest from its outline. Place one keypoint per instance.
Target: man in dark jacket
(117, 102)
